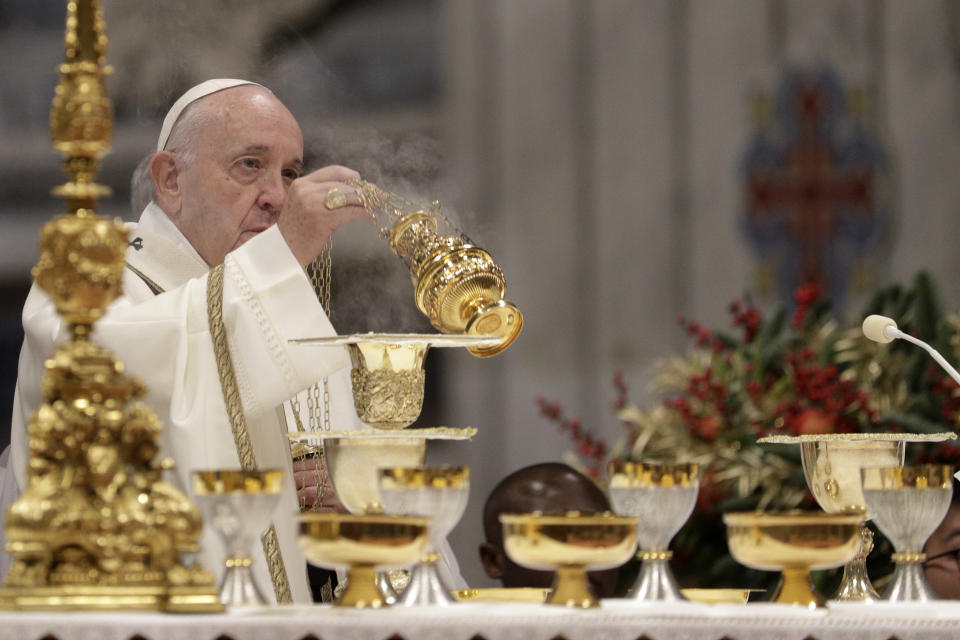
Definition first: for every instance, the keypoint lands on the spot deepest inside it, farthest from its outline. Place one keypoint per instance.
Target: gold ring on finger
(335, 199)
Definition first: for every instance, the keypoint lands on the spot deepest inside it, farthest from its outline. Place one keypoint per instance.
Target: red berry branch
(591, 448)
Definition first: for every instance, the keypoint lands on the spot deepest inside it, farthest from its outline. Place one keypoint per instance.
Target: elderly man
(231, 205)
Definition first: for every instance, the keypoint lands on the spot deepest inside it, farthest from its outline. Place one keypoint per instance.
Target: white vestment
(165, 341)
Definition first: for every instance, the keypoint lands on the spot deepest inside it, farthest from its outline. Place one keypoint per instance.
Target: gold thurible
(95, 527)
(457, 285)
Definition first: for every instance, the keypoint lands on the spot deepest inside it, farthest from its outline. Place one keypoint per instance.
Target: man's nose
(273, 193)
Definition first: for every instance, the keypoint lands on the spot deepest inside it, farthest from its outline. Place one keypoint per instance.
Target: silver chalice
(907, 504)
(662, 497)
(238, 504)
(438, 493)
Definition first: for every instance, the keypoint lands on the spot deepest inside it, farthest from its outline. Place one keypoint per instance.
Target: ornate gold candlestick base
(95, 527)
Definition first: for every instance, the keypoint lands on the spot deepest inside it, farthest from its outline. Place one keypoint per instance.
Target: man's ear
(165, 172)
(493, 559)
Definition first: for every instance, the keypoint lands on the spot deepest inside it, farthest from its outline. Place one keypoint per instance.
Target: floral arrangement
(791, 373)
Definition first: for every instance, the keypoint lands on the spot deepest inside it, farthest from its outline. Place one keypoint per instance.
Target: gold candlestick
(95, 527)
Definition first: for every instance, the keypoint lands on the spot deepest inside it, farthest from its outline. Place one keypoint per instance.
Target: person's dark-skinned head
(551, 488)
(942, 566)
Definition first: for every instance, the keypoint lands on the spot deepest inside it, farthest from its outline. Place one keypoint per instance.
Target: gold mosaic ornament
(96, 527)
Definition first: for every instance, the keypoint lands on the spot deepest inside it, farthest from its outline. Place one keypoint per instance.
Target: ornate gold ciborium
(238, 505)
(437, 493)
(387, 374)
(569, 544)
(831, 465)
(794, 543)
(661, 497)
(361, 544)
(907, 504)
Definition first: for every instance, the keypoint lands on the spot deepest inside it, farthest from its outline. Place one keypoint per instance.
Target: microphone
(883, 330)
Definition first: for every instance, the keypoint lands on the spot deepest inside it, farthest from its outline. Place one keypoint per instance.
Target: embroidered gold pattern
(238, 424)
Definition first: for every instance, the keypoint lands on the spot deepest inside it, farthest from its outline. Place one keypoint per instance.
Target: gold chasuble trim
(238, 424)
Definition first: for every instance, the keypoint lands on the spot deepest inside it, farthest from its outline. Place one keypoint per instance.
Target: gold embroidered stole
(238, 423)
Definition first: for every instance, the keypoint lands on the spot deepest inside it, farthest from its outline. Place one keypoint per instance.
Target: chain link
(386, 208)
(318, 404)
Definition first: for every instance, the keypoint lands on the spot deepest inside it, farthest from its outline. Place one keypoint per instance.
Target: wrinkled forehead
(249, 116)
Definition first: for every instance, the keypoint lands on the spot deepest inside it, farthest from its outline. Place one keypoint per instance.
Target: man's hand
(310, 215)
(312, 479)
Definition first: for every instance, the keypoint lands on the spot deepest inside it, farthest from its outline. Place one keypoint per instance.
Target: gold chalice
(831, 466)
(794, 542)
(661, 497)
(238, 505)
(570, 544)
(361, 544)
(387, 373)
(907, 504)
(438, 493)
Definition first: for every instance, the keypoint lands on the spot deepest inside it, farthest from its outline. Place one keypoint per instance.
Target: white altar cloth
(615, 620)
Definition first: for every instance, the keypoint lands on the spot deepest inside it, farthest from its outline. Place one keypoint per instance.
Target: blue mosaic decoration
(816, 183)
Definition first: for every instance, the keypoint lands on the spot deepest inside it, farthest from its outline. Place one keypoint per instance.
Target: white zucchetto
(192, 95)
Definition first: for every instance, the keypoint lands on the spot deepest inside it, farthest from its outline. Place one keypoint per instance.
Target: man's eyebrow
(262, 148)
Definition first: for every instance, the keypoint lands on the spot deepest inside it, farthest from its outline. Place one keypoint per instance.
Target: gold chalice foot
(438, 493)
(361, 544)
(907, 504)
(238, 505)
(794, 543)
(661, 497)
(570, 544)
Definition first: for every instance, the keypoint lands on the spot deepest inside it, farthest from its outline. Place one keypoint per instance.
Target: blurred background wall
(615, 157)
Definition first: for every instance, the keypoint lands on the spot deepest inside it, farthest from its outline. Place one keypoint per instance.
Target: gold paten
(570, 544)
(96, 527)
(457, 285)
(361, 543)
(795, 543)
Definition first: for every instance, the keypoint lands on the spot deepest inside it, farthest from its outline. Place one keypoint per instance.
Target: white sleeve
(165, 342)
